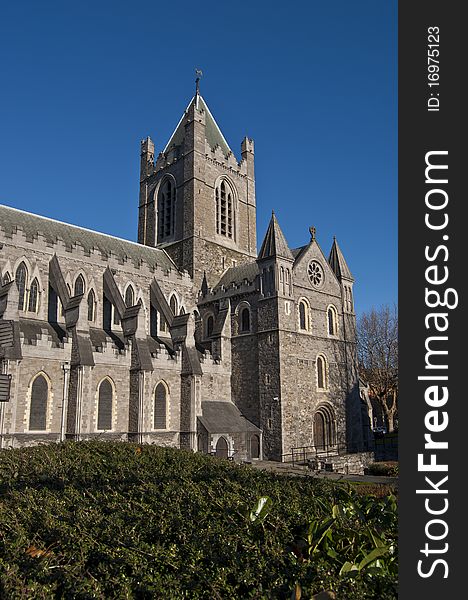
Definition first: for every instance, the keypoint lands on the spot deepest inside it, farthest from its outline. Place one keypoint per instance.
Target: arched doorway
(319, 431)
(324, 428)
(222, 448)
(255, 446)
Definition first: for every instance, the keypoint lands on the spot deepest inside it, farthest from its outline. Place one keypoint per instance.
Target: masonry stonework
(188, 338)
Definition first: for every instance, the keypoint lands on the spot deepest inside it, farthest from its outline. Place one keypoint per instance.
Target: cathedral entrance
(319, 432)
(324, 429)
(222, 448)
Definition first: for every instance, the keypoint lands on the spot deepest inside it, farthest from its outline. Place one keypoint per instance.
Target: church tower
(197, 202)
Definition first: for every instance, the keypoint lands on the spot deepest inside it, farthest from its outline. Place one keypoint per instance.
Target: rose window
(315, 273)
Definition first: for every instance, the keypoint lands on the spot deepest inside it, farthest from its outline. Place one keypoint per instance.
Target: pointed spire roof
(338, 263)
(204, 286)
(213, 134)
(274, 243)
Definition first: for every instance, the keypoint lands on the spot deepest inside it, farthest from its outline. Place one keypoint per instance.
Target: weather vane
(198, 73)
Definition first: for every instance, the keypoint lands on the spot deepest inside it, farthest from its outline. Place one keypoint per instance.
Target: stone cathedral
(189, 338)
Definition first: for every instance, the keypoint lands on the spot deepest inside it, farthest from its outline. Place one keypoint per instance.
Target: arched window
(209, 326)
(91, 306)
(33, 296)
(38, 409)
(79, 286)
(160, 406)
(129, 297)
(304, 316)
(245, 319)
(6, 278)
(225, 222)
(322, 373)
(21, 278)
(173, 304)
(104, 421)
(166, 209)
(332, 320)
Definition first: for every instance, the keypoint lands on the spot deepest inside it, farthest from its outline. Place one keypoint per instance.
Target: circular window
(315, 273)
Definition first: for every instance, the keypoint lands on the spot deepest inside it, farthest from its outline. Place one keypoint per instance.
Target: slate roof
(274, 243)
(224, 417)
(338, 263)
(238, 274)
(297, 251)
(32, 329)
(213, 133)
(11, 219)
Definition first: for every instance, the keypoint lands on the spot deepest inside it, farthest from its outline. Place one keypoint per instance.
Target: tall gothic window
(21, 278)
(91, 305)
(304, 316)
(129, 297)
(33, 296)
(173, 304)
(282, 282)
(79, 286)
(160, 406)
(104, 420)
(166, 209)
(332, 319)
(287, 280)
(38, 409)
(225, 222)
(209, 326)
(245, 320)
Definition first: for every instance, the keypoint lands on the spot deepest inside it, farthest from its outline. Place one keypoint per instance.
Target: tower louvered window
(225, 223)
(160, 406)
(166, 210)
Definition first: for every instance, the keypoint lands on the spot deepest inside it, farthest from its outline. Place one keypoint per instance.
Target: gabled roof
(337, 262)
(274, 243)
(12, 219)
(224, 417)
(213, 134)
(238, 274)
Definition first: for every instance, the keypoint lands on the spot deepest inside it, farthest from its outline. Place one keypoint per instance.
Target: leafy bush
(116, 520)
(386, 469)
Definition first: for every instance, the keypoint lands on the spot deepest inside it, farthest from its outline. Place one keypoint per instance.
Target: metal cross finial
(312, 231)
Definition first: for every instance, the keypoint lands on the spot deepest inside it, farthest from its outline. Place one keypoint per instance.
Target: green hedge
(116, 520)
(387, 469)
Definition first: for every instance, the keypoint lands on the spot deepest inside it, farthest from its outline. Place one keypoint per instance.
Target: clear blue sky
(313, 82)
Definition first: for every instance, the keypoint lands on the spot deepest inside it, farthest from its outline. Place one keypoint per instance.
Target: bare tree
(377, 334)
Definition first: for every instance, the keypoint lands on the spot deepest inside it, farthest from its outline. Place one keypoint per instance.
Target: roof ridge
(114, 237)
